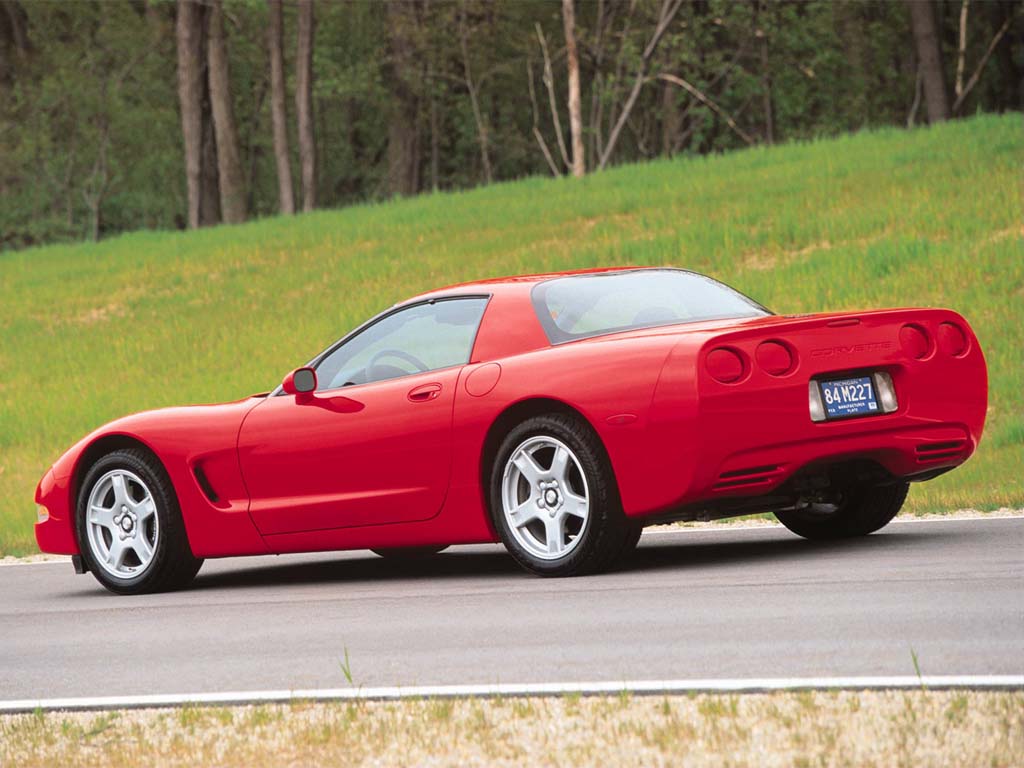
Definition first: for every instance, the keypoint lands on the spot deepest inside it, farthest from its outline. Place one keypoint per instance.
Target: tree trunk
(474, 99)
(575, 110)
(209, 204)
(922, 23)
(549, 86)
(96, 187)
(670, 119)
(435, 135)
(16, 31)
(304, 103)
(403, 134)
(766, 91)
(278, 108)
(669, 8)
(189, 32)
(229, 164)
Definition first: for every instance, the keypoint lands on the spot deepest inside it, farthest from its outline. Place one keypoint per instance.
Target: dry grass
(898, 728)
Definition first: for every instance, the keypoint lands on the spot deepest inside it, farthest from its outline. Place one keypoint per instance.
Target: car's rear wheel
(554, 501)
(409, 553)
(853, 512)
(129, 526)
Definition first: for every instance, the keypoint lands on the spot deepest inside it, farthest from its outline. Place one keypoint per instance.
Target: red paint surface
(483, 379)
(387, 465)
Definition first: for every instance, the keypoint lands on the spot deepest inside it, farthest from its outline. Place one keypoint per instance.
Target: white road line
(637, 687)
(768, 525)
(55, 559)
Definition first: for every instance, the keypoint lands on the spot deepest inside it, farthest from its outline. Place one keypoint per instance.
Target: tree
(304, 103)
(929, 58)
(474, 98)
(963, 91)
(189, 33)
(229, 164)
(278, 108)
(669, 8)
(400, 73)
(446, 94)
(575, 111)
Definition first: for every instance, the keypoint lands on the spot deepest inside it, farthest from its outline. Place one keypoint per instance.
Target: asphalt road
(705, 603)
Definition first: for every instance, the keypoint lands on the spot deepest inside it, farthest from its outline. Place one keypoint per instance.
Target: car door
(372, 444)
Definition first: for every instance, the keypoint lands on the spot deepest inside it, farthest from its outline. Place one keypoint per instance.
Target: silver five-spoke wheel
(545, 498)
(123, 527)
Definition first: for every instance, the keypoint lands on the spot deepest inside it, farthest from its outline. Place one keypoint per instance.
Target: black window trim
(556, 336)
(383, 316)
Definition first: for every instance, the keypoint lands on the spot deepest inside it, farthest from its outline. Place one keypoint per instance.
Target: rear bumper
(748, 438)
(904, 451)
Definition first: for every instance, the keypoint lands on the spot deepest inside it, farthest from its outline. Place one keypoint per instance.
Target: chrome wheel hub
(122, 527)
(545, 499)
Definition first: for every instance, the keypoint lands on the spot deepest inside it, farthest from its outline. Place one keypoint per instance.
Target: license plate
(849, 397)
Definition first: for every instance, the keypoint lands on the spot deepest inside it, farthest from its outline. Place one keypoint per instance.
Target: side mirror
(301, 381)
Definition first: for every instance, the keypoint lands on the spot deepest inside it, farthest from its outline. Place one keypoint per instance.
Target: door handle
(425, 392)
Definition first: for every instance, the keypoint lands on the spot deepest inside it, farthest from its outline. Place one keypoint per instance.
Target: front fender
(183, 440)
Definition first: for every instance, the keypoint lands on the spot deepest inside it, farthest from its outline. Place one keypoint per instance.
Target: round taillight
(952, 339)
(774, 357)
(915, 342)
(725, 365)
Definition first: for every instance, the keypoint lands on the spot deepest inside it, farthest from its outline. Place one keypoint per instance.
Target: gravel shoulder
(920, 728)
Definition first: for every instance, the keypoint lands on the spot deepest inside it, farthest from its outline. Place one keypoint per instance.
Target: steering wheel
(400, 355)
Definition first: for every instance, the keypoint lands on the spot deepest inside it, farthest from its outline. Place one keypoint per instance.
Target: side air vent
(949, 449)
(751, 476)
(204, 484)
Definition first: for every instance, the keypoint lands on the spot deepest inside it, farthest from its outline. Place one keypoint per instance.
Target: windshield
(580, 306)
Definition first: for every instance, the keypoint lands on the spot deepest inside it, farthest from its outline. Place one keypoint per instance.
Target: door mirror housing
(301, 381)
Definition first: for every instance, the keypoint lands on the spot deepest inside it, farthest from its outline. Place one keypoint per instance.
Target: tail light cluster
(915, 341)
(728, 365)
(918, 344)
(952, 339)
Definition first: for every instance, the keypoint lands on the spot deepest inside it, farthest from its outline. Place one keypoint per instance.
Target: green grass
(929, 217)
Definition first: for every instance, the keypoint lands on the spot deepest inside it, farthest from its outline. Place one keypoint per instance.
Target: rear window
(581, 306)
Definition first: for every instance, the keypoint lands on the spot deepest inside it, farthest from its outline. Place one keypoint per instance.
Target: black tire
(172, 565)
(606, 531)
(859, 512)
(409, 553)
(633, 533)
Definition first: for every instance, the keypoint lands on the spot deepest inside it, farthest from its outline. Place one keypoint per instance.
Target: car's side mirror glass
(301, 381)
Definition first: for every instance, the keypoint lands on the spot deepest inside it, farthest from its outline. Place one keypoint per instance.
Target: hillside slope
(927, 217)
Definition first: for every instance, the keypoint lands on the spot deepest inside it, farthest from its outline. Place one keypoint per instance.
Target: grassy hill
(928, 217)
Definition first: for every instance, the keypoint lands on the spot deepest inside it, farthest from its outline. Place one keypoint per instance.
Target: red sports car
(556, 413)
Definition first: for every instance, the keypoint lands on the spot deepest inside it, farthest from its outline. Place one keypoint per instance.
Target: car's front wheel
(554, 501)
(130, 531)
(854, 512)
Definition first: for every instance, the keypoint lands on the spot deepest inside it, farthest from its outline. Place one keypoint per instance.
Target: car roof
(516, 283)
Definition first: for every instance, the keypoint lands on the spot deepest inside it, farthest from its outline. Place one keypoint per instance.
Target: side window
(423, 337)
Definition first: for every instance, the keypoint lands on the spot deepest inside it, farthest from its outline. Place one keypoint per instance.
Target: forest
(134, 114)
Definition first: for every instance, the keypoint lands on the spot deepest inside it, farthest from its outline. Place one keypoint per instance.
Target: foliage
(98, 80)
(928, 217)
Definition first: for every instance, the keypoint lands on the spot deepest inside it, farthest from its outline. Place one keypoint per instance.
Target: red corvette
(556, 413)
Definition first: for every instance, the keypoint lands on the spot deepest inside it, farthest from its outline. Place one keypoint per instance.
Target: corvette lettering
(842, 349)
